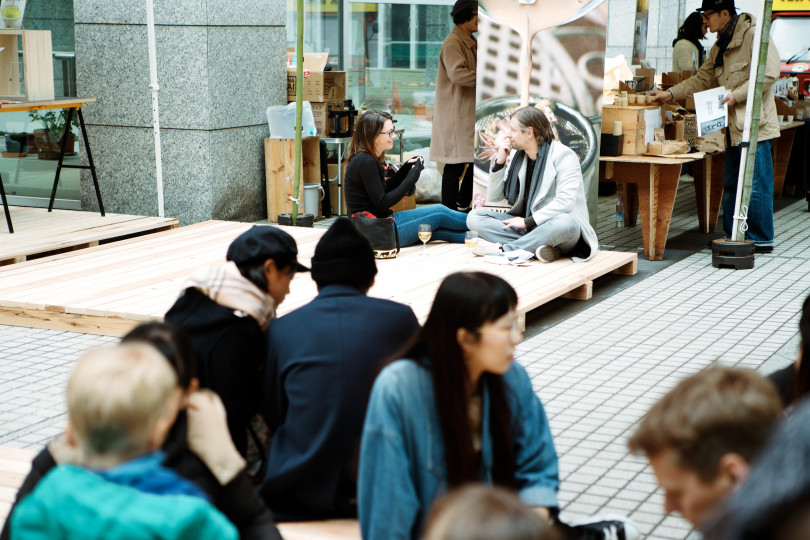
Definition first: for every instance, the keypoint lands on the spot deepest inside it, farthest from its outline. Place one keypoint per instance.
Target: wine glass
(424, 235)
(471, 241)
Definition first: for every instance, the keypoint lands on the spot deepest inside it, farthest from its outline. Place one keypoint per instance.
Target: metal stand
(61, 165)
(340, 142)
(5, 206)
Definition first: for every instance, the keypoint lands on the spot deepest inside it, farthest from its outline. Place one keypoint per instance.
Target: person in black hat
(226, 310)
(729, 66)
(321, 363)
(453, 136)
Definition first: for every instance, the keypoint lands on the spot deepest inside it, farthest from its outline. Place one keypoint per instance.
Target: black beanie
(343, 256)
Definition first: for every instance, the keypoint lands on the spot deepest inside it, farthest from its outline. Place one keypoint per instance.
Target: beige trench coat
(733, 75)
(453, 136)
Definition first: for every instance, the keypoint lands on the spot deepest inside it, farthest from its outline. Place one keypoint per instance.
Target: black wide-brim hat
(717, 5)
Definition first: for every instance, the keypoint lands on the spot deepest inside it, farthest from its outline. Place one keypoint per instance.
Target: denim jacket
(402, 461)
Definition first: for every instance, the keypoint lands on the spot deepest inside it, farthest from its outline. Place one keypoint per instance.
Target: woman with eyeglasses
(457, 409)
(368, 191)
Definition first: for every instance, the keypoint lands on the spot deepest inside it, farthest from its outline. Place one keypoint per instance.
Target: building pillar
(220, 64)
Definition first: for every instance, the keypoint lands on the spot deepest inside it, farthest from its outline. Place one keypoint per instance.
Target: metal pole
(153, 86)
(753, 110)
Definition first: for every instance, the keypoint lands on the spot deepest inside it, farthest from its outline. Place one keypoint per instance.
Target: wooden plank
(39, 232)
(37, 65)
(583, 292)
(334, 529)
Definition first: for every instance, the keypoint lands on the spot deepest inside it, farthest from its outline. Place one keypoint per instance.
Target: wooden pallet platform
(108, 289)
(15, 464)
(39, 232)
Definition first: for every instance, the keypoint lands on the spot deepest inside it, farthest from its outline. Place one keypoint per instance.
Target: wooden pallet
(38, 232)
(110, 288)
(15, 464)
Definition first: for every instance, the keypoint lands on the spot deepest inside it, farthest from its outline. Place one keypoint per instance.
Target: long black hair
(466, 300)
(692, 30)
(173, 343)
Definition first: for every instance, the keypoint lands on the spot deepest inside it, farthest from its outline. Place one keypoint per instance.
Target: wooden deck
(108, 289)
(38, 232)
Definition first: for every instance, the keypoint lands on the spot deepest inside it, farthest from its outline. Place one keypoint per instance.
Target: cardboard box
(319, 85)
(633, 126)
(407, 203)
(320, 112)
(649, 79)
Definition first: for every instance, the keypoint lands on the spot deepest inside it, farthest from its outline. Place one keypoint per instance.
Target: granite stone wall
(220, 64)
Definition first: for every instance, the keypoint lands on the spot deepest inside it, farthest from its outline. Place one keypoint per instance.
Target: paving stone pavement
(597, 371)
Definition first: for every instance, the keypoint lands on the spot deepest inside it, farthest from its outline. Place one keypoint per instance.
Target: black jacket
(230, 356)
(368, 191)
(317, 392)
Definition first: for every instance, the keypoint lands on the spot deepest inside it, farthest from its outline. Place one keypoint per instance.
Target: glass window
(390, 51)
(27, 161)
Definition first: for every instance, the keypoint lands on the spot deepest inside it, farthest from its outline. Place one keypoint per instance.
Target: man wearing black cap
(729, 66)
(321, 363)
(226, 311)
(453, 137)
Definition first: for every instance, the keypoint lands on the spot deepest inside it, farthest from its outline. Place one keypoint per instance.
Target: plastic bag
(12, 12)
(281, 121)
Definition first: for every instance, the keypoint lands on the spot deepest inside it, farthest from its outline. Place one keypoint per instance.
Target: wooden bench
(15, 465)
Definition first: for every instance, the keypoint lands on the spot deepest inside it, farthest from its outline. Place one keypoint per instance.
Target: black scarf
(724, 36)
(512, 185)
(694, 41)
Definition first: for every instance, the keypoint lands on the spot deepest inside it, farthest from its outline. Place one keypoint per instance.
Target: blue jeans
(760, 206)
(561, 231)
(445, 224)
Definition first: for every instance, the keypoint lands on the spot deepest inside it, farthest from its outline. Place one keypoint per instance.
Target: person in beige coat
(453, 136)
(687, 51)
(728, 66)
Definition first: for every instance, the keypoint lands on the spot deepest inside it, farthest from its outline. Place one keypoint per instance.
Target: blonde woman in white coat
(542, 180)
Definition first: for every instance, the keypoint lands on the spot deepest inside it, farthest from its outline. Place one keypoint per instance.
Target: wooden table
(649, 184)
(782, 147)
(71, 104)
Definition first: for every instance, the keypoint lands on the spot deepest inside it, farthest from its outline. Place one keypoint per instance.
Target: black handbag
(381, 233)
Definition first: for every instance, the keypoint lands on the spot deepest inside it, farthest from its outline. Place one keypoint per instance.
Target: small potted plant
(49, 139)
(16, 144)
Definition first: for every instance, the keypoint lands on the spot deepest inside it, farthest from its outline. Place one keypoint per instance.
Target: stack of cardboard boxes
(321, 88)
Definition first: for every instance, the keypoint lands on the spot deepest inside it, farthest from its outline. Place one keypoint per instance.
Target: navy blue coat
(321, 365)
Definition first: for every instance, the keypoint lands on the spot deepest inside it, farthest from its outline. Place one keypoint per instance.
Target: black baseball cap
(262, 242)
(717, 5)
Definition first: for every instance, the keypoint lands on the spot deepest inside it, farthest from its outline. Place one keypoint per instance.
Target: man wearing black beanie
(322, 360)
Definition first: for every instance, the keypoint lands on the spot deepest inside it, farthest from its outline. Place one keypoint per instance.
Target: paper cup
(789, 118)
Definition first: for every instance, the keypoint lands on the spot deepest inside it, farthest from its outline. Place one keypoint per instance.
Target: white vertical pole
(153, 86)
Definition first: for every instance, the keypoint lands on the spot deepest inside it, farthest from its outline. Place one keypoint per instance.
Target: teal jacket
(71, 502)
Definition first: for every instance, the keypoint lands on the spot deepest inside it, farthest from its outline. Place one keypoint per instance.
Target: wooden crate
(633, 126)
(37, 65)
(279, 166)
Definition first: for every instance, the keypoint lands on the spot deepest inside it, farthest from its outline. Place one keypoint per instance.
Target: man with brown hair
(702, 436)
(542, 181)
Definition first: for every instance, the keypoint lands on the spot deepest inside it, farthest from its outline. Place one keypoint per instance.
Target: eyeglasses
(391, 133)
(706, 14)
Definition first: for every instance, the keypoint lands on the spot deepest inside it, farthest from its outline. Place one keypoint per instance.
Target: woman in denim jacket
(483, 424)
